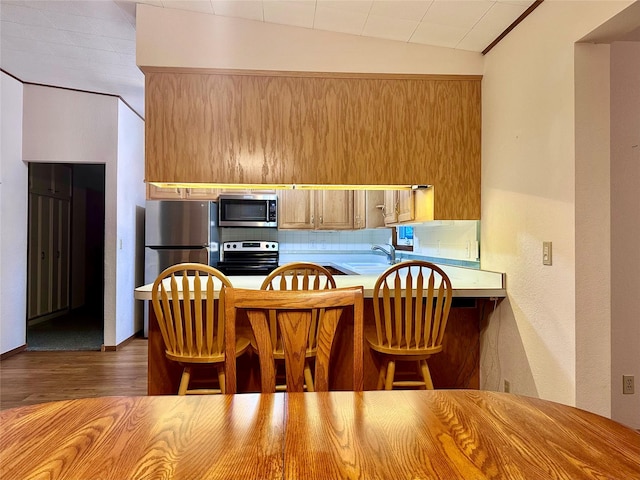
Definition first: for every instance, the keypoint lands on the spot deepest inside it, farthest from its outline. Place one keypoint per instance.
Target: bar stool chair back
(293, 312)
(411, 304)
(192, 325)
(298, 276)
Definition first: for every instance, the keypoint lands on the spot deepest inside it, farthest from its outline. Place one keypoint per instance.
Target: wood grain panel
(192, 126)
(197, 437)
(273, 129)
(451, 434)
(296, 209)
(335, 209)
(457, 366)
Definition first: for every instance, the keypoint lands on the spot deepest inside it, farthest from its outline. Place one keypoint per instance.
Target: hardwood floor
(35, 377)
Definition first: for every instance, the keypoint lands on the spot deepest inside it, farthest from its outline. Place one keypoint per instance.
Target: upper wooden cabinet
(296, 210)
(368, 209)
(316, 210)
(333, 129)
(399, 206)
(179, 193)
(51, 179)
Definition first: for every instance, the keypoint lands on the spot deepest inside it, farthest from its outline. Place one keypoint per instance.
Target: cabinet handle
(58, 254)
(321, 220)
(313, 219)
(42, 256)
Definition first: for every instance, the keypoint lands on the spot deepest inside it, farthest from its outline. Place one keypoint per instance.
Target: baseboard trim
(13, 352)
(115, 348)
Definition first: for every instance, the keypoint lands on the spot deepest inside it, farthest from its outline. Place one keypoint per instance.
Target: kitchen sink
(367, 268)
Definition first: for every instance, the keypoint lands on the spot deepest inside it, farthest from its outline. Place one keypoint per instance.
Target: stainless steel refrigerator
(176, 232)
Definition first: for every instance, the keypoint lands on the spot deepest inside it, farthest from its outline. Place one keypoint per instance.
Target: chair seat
(242, 344)
(402, 351)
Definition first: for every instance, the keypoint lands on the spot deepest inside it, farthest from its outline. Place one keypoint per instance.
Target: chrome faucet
(390, 253)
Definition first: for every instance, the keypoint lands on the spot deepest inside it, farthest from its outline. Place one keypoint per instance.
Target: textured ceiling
(90, 44)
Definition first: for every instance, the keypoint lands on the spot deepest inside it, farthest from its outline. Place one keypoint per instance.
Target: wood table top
(441, 434)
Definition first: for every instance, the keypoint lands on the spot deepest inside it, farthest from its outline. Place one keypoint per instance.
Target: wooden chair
(411, 303)
(298, 276)
(294, 311)
(192, 326)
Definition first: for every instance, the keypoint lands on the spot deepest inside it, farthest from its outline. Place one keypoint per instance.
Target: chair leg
(426, 374)
(308, 378)
(221, 379)
(382, 375)
(184, 381)
(391, 371)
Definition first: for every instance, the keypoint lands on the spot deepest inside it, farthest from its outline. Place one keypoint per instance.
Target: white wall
(79, 127)
(130, 217)
(593, 232)
(529, 196)
(175, 38)
(67, 126)
(13, 218)
(625, 228)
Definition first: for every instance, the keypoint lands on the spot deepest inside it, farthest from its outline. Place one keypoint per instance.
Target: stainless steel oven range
(248, 258)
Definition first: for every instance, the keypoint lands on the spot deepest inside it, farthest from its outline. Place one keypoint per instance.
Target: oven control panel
(250, 246)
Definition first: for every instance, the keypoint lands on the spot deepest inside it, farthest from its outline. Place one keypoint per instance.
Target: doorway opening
(66, 230)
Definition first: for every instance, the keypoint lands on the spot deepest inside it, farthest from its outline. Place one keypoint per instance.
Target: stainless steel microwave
(252, 210)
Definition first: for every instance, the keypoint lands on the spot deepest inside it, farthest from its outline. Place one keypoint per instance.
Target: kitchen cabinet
(180, 193)
(51, 179)
(406, 206)
(390, 208)
(368, 208)
(296, 210)
(48, 259)
(316, 210)
(265, 128)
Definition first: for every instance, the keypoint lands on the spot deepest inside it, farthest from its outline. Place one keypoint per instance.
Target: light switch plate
(546, 253)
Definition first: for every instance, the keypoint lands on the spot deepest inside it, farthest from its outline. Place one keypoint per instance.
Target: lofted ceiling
(90, 44)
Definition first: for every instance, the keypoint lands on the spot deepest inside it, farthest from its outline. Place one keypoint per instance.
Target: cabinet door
(164, 193)
(60, 225)
(390, 206)
(374, 209)
(296, 209)
(405, 206)
(50, 179)
(335, 209)
(40, 245)
(202, 193)
(40, 179)
(359, 209)
(48, 261)
(61, 180)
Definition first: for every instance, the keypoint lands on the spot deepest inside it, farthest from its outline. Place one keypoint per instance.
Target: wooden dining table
(402, 434)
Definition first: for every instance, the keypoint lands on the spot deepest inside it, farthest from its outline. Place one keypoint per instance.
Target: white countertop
(466, 282)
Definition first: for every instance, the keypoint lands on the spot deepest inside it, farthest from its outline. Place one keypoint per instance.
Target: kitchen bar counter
(466, 282)
(475, 293)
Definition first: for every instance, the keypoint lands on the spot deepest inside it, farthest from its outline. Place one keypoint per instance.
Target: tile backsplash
(311, 240)
(451, 242)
